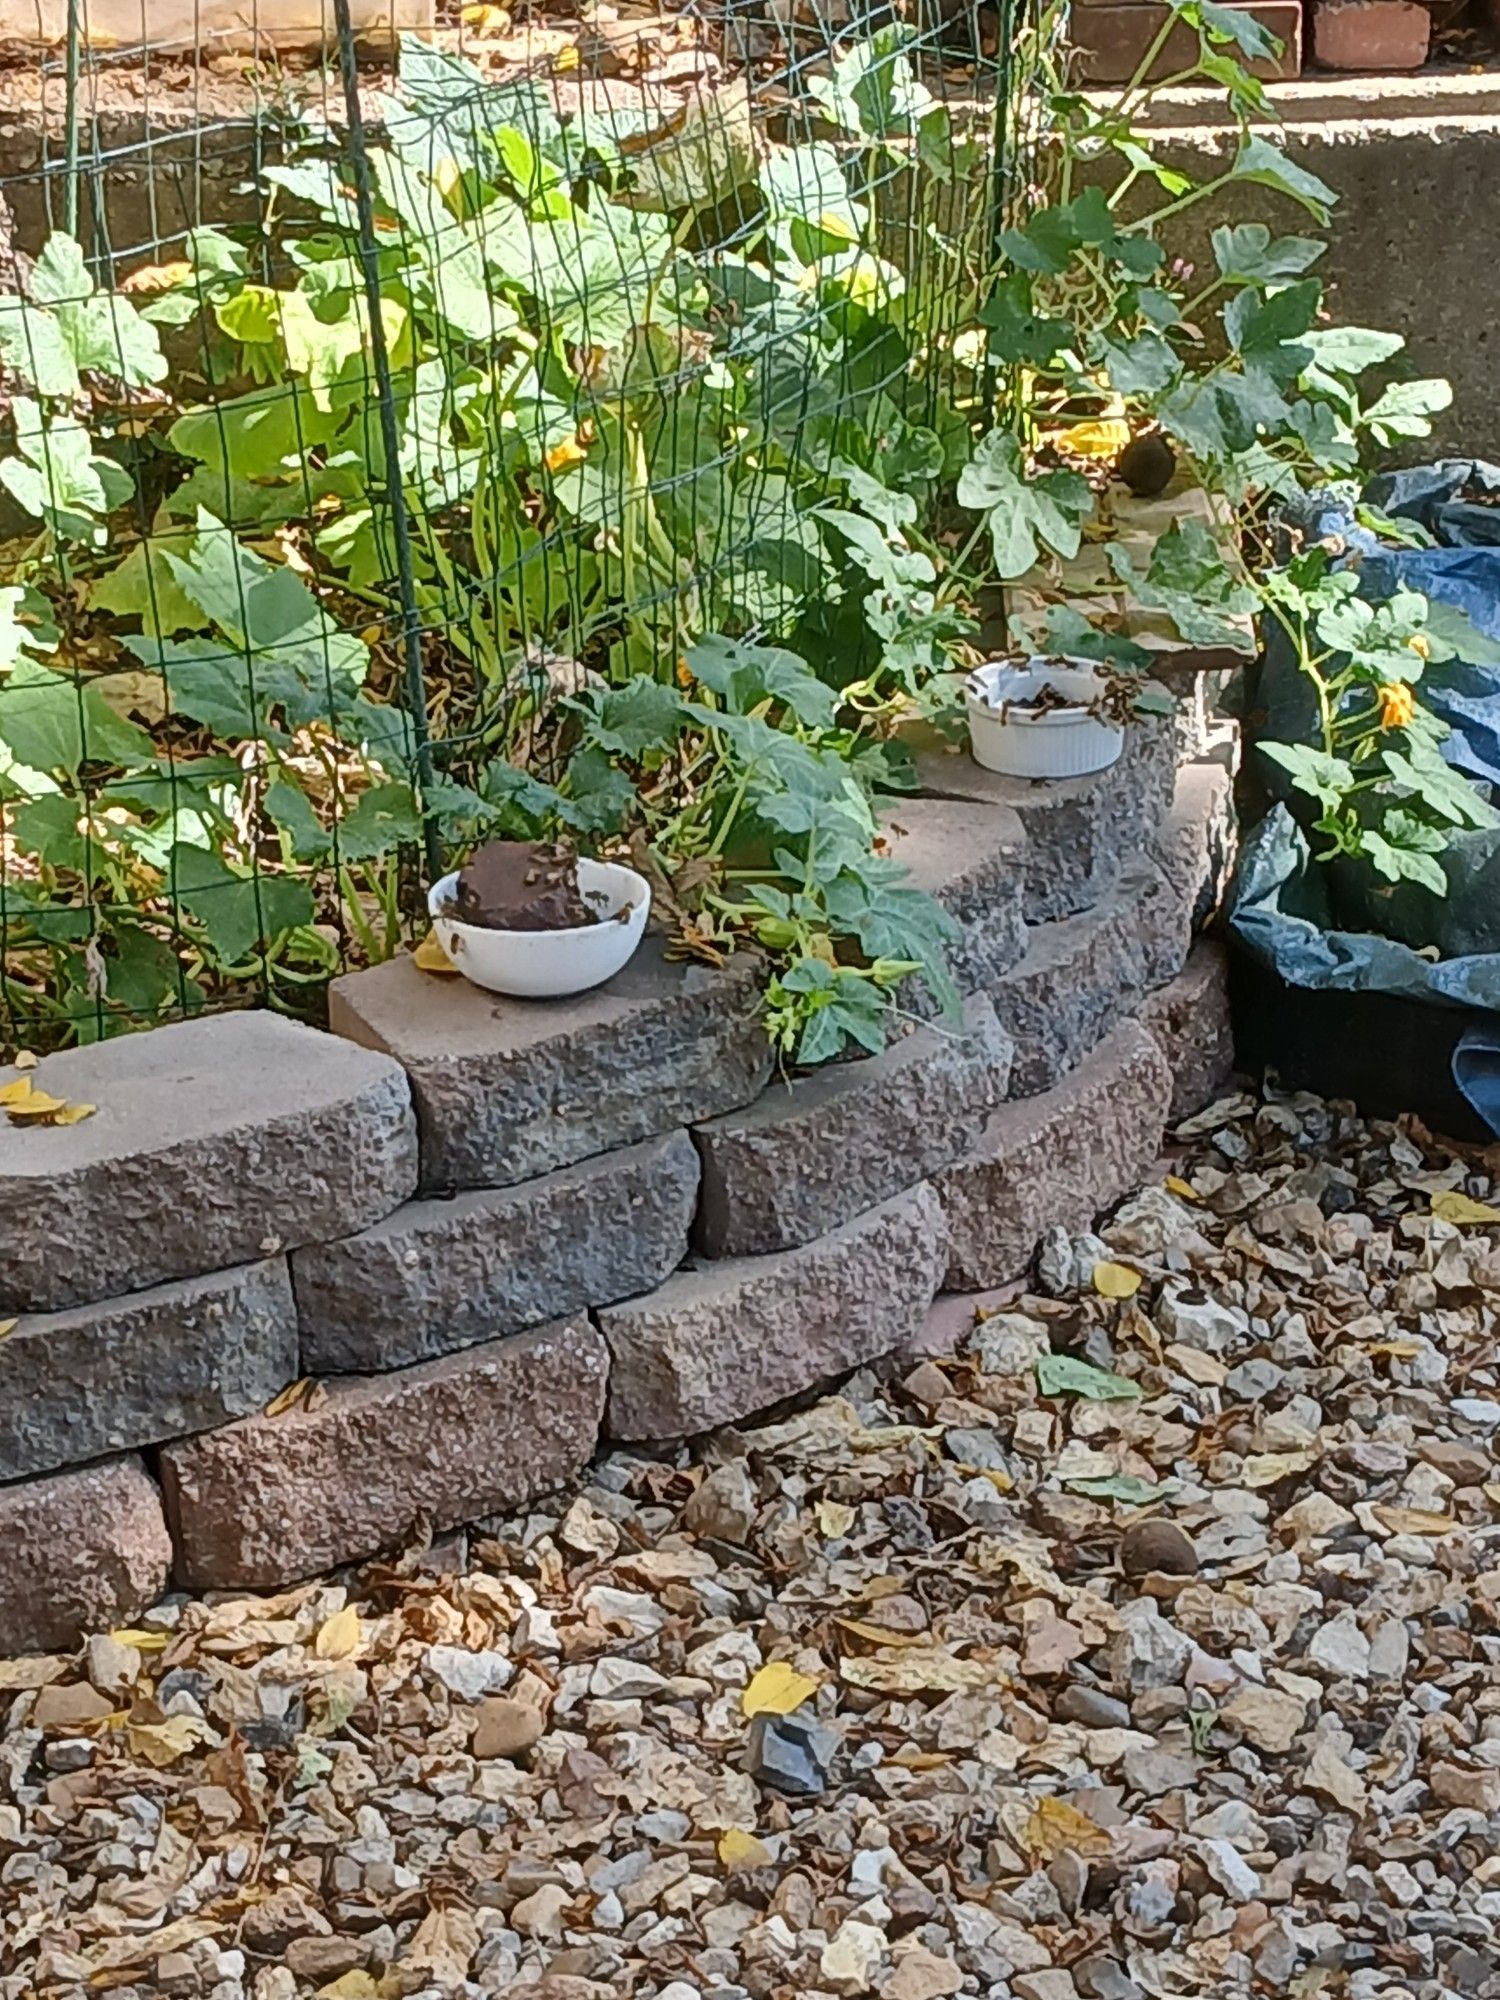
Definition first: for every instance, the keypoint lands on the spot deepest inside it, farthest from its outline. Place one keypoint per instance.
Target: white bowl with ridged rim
(547, 965)
(1059, 743)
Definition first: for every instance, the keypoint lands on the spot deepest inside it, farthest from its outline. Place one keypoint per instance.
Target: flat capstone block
(213, 1142)
(506, 1089)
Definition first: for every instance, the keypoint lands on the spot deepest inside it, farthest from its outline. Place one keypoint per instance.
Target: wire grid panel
(595, 321)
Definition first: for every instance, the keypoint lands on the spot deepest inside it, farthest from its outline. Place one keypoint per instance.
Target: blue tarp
(1333, 928)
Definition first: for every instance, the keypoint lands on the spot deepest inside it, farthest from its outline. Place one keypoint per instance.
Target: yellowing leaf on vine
(561, 456)
(741, 1850)
(157, 277)
(339, 1636)
(1451, 1206)
(777, 1689)
(1116, 1281)
(1102, 437)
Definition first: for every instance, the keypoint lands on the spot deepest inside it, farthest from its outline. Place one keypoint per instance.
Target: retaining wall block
(1197, 840)
(509, 1089)
(270, 1499)
(1189, 1018)
(79, 1552)
(726, 1339)
(214, 1142)
(974, 860)
(152, 1365)
(814, 1153)
(1083, 974)
(441, 1275)
(1057, 1158)
(1079, 831)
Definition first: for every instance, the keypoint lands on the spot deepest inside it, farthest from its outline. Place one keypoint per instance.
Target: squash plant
(617, 446)
(1259, 397)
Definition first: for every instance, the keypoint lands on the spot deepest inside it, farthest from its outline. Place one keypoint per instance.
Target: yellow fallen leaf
(355, 1985)
(1399, 1350)
(429, 956)
(1413, 1520)
(567, 59)
(777, 1689)
(920, 1670)
(1101, 437)
(291, 1395)
(1451, 1206)
(1174, 1184)
(143, 1640)
(74, 1114)
(834, 1518)
(1056, 1828)
(1265, 1468)
(1116, 1281)
(740, 1850)
(35, 1108)
(25, 1059)
(8, 1327)
(339, 1636)
(485, 18)
(561, 456)
(880, 1635)
(163, 1743)
(15, 1092)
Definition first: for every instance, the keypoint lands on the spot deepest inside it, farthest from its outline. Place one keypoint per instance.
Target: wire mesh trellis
(367, 417)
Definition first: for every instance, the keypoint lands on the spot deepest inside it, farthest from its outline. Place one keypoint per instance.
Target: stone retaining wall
(493, 1231)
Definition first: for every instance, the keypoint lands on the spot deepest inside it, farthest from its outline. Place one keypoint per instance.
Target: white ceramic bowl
(544, 965)
(1062, 743)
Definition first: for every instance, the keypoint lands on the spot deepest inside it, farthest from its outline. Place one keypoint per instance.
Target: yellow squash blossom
(1397, 705)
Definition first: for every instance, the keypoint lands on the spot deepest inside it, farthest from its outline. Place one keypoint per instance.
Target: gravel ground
(1146, 1645)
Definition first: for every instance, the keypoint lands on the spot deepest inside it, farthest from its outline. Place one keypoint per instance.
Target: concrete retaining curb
(474, 1342)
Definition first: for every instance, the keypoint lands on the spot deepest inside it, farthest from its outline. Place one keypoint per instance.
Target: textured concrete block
(1079, 831)
(1083, 975)
(1189, 1018)
(441, 1275)
(974, 861)
(79, 1553)
(508, 1089)
(724, 1340)
(215, 1142)
(274, 1498)
(1057, 1158)
(1196, 843)
(152, 1365)
(814, 1153)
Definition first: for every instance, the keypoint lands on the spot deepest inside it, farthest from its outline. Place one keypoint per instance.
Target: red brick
(1110, 40)
(1370, 34)
(79, 1552)
(270, 1499)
